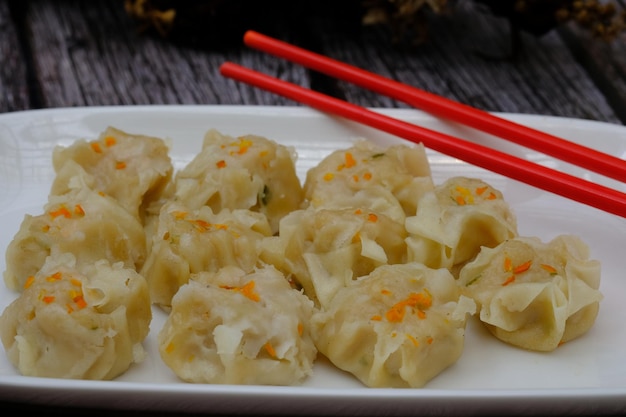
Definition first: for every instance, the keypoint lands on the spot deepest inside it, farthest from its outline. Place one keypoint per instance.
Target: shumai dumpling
(191, 241)
(233, 327)
(78, 321)
(83, 222)
(387, 180)
(248, 172)
(454, 220)
(398, 327)
(535, 295)
(136, 170)
(324, 249)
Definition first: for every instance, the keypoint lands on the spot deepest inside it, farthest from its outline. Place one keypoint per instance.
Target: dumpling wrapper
(398, 327)
(192, 241)
(78, 321)
(248, 172)
(388, 180)
(136, 170)
(535, 295)
(324, 249)
(83, 222)
(233, 327)
(454, 220)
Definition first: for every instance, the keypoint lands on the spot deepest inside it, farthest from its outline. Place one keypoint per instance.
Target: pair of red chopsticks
(574, 188)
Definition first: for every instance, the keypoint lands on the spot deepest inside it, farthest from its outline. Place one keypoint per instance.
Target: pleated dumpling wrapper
(78, 321)
(454, 220)
(248, 172)
(535, 295)
(136, 170)
(191, 241)
(387, 180)
(398, 327)
(83, 222)
(233, 327)
(324, 249)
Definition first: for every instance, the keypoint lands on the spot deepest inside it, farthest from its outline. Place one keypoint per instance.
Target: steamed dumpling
(135, 170)
(454, 220)
(324, 249)
(532, 294)
(77, 321)
(233, 327)
(387, 180)
(398, 327)
(248, 172)
(83, 222)
(192, 241)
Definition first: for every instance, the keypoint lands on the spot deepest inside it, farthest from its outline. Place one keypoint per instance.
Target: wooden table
(90, 53)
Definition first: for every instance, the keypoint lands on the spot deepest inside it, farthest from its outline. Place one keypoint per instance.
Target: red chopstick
(574, 188)
(582, 156)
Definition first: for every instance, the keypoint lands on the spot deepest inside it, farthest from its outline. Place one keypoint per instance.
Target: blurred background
(561, 58)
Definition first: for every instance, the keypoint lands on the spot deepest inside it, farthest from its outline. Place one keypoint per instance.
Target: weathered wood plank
(90, 53)
(13, 68)
(544, 79)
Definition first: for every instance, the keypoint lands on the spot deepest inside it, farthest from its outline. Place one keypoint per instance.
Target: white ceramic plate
(587, 375)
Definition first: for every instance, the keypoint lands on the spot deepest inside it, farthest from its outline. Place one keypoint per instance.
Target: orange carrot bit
(372, 218)
(460, 200)
(350, 162)
(61, 211)
(48, 299)
(522, 268)
(179, 215)
(110, 141)
(244, 144)
(508, 264)
(367, 176)
(413, 340)
(80, 301)
(429, 340)
(300, 329)
(355, 178)
(385, 292)
(492, 196)
(247, 290)
(358, 211)
(551, 270)
(29, 281)
(96, 147)
(78, 209)
(329, 176)
(270, 349)
(54, 277)
(120, 165)
(220, 164)
(421, 314)
(201, 225)
(481, 190)
(508, 281)
(376, 318)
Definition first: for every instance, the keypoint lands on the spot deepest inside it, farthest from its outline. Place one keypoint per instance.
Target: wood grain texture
(67, 53)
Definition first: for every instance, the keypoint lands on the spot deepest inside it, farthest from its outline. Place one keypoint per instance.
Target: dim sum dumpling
(136, 170)
(398, 327)
(535, 295)
(454, 220)
(191, 241)
(248, 172)
(233, 327)
(389, 180)
(82, 222)
(78, 321)
(324, 249)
